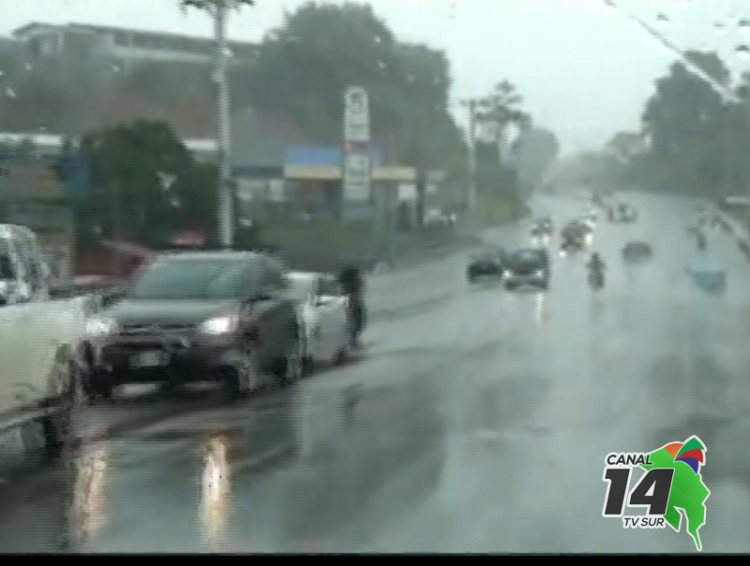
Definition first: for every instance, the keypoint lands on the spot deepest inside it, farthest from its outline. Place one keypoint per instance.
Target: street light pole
(225, 205)
(471, 188)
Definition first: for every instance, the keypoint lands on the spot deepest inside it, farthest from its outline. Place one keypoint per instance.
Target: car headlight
(100, 326)
(224, 324)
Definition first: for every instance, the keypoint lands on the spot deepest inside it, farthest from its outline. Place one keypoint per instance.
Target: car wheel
(344, 353)
(97, 384)
(246, 377)
(291, 366)
(308, 362)
(65, 396)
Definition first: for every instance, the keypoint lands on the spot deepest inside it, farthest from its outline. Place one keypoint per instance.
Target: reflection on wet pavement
(477, 420)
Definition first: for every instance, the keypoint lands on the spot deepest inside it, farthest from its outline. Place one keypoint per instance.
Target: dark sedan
(490, 262)
(216, 316)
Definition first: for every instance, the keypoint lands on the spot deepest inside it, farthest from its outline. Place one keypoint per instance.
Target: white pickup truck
(38, 358)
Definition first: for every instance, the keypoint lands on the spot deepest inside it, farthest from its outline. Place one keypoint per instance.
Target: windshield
(191, 279)
(464, 380)
(527, 256)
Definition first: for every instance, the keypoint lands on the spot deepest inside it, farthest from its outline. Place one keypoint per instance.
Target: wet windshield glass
(443, 392)
(191, 279)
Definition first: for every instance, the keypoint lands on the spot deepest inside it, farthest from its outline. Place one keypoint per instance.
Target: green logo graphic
(671, 488)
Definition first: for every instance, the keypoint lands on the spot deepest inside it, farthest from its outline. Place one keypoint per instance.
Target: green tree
(684, 104)
(145, 184)
(499, 109)
(697, 138)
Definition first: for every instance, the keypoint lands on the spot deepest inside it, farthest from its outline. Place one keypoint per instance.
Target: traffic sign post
(356, 172)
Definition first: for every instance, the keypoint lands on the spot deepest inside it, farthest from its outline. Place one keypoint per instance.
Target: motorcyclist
(700, 240)
(596, 266)
(353, 285)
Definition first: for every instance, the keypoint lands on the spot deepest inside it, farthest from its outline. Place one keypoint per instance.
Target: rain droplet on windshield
(662, 19)
(744, 25)
(742, 52)
(719, 26)
(378, 39)
(382, 65)
(10, 93)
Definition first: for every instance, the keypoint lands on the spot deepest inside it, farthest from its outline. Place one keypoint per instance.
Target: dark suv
(528, 266)
(217, 316)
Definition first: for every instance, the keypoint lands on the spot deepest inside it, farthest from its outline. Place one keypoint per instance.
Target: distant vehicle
(637, 251)
(708, 279)
(322, 308)
(529, 266)
(24, 273)
(489, 262)
(197, 316)
(591, 218)
(623, 213)
(575, 236)
(542, 227)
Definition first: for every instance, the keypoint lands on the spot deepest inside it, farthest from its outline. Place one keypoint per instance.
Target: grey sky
(585, 72)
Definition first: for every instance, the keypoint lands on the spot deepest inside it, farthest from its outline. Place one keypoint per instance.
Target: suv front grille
(151, 329)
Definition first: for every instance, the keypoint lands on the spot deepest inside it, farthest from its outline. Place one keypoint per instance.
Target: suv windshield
(300, 288)
(191, 279)
(527, 256)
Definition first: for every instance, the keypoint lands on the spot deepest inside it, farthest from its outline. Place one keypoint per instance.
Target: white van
(24, 273)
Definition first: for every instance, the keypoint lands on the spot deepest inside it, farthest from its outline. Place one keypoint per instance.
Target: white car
(38, 359)
(324, 314)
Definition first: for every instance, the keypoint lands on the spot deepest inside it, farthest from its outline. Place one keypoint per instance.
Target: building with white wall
(122, 44)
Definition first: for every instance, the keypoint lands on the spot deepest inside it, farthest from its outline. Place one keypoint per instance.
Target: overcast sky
(584, 70)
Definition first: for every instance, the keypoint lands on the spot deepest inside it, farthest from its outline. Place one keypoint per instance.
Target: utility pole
(471, 188)
(225, 208)
(219, 11)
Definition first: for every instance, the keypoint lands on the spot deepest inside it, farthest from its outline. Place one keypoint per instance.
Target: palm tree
(218, 10)
(500, 109)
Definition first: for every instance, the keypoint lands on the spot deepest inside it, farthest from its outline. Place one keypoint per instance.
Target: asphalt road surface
(477, 420)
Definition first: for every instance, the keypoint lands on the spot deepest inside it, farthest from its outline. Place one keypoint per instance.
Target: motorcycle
(357, 311)
(596, 278)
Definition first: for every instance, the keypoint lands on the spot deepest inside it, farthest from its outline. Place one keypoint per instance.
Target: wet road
(478, 420)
